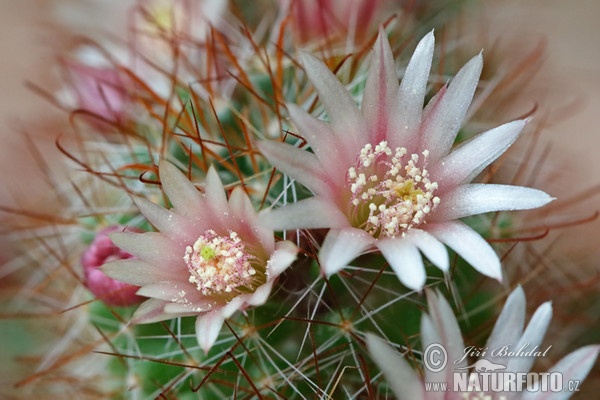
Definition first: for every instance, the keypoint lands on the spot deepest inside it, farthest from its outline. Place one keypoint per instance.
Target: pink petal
(334, 154)
(381, 89)
(473, 199)
(215, 194)
(135, 272)
(400, 376)
(405, 260)
(171, 291)
(208, 326)
(444, 121)
(152, 310)
(469, 245)
(412, 92)
(342, 246)
(300, 165)
(466, 161)
(152, 247)
(181, 192)
(342, 111)
(311, 213)
(246, 219)
(166, 221)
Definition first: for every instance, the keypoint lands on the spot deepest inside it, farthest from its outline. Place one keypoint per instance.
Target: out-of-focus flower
(211, 258)
(331, 19)
(99, 252)
(509, 333)
(386, 175)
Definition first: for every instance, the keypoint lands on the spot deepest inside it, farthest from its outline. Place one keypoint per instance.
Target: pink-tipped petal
(298, 164)
(442, 124)
(311, 213)
(469, 245)
(179, 189)
(208, 326)
(470, 158)
(473, 199)
(215, 193)
(405, 260)
(412, 92)
(381, 89)
(401, 378)
(342, 246)
(340, 106)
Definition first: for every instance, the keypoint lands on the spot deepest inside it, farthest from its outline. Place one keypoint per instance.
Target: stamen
(219, 264)
(390, 191)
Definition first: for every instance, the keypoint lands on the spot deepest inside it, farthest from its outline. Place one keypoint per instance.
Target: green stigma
(207, 253)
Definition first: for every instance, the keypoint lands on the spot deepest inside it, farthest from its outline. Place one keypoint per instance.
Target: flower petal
(300, 165)
(478, 198)
(215, 193)
(467, 160)
(532, 337)
(412, 92)
(181, 192)
(432, 248)
(381, 89)
(342, 246)
(341, 109)
(401, 378)
(244, 219)
(311, 213)
(440, 327)
(445, 119)
(329, 150)
(405, 260)
(573, 367)
(152, 247)
(152, 310)
(166, 221)
(469, 245)
(509, 325)
(208, 326)
(284, 255)
(135, 272)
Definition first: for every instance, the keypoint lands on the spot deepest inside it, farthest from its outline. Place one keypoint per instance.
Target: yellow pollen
(407, 192)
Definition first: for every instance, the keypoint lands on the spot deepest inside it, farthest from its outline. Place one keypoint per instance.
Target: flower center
(219, 264)
(390, 191)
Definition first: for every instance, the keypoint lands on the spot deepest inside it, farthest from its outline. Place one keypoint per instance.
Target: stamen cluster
(390, 192)
(219, 264)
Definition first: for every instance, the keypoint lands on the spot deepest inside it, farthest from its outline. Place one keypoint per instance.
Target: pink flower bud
(109, 290)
